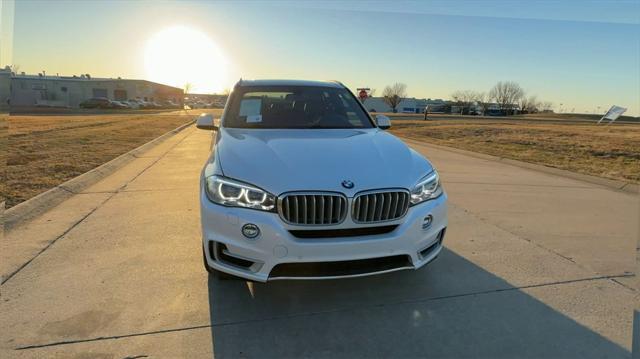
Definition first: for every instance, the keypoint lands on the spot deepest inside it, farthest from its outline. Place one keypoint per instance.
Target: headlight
(428, 188)
(228, 192)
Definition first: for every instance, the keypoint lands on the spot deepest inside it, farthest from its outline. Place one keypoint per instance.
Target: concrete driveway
(535, 266)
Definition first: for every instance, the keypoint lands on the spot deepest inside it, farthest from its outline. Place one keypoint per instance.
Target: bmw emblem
(347, 184)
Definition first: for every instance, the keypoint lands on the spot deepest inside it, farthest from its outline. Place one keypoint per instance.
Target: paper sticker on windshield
(250, 107)
(254, 118)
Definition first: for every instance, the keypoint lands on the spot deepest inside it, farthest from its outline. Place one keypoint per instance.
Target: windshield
(294, 107)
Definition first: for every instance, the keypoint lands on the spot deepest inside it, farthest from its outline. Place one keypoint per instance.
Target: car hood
(318, 160)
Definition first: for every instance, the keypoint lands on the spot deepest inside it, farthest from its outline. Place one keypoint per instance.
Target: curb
(41, 203)
(622, 186)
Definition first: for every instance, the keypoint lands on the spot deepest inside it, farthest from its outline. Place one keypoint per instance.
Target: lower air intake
(340, 268)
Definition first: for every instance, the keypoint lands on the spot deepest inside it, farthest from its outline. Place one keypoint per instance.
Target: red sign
(363, 95)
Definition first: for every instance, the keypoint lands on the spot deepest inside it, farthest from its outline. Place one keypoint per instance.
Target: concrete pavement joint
(6, 279)
(75, 224)
(121, 188)
(67, 189)
(310, 314)
(624, 285)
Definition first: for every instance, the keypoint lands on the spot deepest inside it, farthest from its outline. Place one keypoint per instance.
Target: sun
(181, 55)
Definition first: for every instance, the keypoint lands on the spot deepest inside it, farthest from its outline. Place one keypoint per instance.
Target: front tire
(216, 273)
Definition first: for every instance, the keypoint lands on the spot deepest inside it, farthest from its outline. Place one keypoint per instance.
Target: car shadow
(451, 308)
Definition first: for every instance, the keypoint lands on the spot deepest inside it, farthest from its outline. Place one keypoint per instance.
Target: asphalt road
(535, 265)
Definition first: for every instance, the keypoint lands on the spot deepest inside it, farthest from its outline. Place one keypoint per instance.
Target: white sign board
(250, 107)
(613, 113)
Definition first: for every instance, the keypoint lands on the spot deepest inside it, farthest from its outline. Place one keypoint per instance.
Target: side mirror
(205, 122)
(383, 122)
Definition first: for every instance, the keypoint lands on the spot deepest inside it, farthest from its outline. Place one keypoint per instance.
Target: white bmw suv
(303, 184)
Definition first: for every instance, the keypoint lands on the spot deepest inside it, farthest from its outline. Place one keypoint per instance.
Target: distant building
(70, 91)
(434, 105)
(407, 105)
(5, 87)
(477, 108)
(376, 104)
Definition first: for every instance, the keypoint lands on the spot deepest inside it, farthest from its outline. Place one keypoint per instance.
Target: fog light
(427, 222)
(250, 230)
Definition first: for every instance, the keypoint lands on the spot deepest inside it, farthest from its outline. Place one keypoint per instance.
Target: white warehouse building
(70, 91)
(407, 105)
(5, 86)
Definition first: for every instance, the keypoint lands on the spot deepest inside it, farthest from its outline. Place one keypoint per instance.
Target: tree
(547, 106)
(465, 99)
(394, 94)
(188, 87)
(506, 94)
(482, 100)
(529, 104)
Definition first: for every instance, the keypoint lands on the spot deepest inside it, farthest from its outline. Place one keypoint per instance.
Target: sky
(583, 55)
(6, 31)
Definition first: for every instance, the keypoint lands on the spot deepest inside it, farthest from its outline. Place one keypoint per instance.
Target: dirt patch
(79, 325)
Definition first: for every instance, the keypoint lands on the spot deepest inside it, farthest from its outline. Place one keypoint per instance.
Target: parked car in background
(170, 104)
(96, 102)
(494, 112)
(133, 104)
(149, 105)
(144, 104)
(119, 105)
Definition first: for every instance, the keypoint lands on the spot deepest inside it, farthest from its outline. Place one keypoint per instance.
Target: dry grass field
(46, 150)
(547, 117)
(605, 151)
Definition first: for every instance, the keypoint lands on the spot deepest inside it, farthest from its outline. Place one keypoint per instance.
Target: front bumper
(266, 257)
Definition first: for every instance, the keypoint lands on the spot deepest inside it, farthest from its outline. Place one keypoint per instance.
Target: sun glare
(181, 55)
